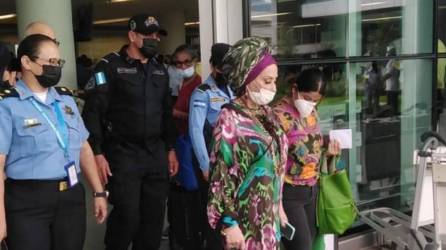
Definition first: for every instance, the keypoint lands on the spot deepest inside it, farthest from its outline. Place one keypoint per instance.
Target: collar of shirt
(25, 93)
(214, 88)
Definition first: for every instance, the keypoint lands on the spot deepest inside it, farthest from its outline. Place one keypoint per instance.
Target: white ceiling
(105, 9)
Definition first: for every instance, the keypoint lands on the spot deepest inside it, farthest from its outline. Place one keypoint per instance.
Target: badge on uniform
(68, 110)
(71, 174)
(32, 122)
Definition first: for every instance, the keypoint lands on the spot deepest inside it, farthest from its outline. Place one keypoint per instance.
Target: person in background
(175, 79)
(391, 76)
(249, 153)
(205, 105)
(184, 201)
(372, 88)
(128, 112)
(299, 119)
(42, 152)
(39, 27)
(184, 61)
(7, 76)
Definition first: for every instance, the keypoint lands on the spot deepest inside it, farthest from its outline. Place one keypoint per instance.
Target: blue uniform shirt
(205, 104)
(29, 143)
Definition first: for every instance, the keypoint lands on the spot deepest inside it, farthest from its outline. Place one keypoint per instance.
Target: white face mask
(304, 107)
(263, 97)
(189, 72)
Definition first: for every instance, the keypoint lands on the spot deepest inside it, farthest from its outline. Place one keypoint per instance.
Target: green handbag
(319, 242)
(336, 208)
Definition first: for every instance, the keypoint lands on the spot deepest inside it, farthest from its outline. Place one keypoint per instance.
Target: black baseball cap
(218, 52)
(145, 24)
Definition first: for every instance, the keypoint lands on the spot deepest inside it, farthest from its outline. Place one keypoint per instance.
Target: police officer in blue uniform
(43, 148)
(205, 104)
(129, 115)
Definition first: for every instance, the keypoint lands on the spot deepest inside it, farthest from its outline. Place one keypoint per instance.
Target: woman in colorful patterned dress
(299, 119)
(249, 153)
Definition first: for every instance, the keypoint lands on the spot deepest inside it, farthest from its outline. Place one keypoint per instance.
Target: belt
(60, 185)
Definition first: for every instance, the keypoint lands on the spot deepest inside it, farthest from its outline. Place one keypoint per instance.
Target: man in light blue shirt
(205, 105)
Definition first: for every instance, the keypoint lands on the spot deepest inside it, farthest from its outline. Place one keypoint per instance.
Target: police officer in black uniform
(129, 115)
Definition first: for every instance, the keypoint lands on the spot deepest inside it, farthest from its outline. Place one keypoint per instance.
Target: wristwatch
(103, 194)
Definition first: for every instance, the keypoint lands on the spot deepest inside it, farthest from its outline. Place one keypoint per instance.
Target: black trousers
(138, 193)
(299, 203)
(40, 217)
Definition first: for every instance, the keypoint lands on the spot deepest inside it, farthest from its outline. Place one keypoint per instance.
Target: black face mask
(149, 47)
(50, 76)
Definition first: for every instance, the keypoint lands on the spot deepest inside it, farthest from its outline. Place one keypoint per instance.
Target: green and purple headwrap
(245, 61)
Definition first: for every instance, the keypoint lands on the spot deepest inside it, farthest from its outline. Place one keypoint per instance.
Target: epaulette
(204, 87)
(8, 92)
(109, 57)
(64, 91)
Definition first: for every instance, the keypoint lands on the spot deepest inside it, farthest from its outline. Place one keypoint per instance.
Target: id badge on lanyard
(61, 131)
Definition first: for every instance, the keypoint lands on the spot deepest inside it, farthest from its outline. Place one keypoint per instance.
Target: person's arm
(96, 105)
(198, 110)
(2, 198)
(180, 114)
(224, 182)
(169, 132)
(5, 145)
(89, 169)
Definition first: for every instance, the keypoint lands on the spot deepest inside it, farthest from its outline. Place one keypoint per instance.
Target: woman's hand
(334, 148)
(234, 238)
(282, 216)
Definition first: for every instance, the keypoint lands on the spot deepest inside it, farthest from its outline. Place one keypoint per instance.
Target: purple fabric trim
(267, 60)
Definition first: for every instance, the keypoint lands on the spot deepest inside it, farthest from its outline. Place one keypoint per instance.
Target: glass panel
(319, 28)
(441, 26)
(387, 104)
(395, 99)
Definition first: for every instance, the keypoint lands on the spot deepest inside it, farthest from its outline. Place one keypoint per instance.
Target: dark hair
(31, 44)
(310, 80)
(184, 48)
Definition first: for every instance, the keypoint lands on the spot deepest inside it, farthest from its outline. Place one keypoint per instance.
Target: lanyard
(61, 130)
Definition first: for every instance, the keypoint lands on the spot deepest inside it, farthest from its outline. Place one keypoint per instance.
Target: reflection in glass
(441, 26)
(339, 28)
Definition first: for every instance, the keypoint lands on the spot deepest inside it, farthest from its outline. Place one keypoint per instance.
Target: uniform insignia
(158, 72)
(203, 87)
(132, 25)
(32, 122)
(217, 99)
(8, 92)
(199, 104)
(64, 91)
(150, 21)
(68, 110)
(122, 70)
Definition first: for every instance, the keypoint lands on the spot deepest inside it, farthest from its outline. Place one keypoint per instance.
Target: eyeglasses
(181, 63)
(52, 61)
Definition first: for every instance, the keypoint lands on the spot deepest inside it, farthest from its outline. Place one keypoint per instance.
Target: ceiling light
(191, 23)
(306, 25)
(272, 15)
(114, 20)
(7, 16)
(381, 19)
(119, 1)
(371, 4)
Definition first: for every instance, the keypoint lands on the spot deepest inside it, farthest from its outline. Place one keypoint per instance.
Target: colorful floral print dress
(305, 143)
(247, 174)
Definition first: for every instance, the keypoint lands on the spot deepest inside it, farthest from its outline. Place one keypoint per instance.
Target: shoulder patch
(204, 87)
(110, 57)
(8, 92)
(64, 91)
